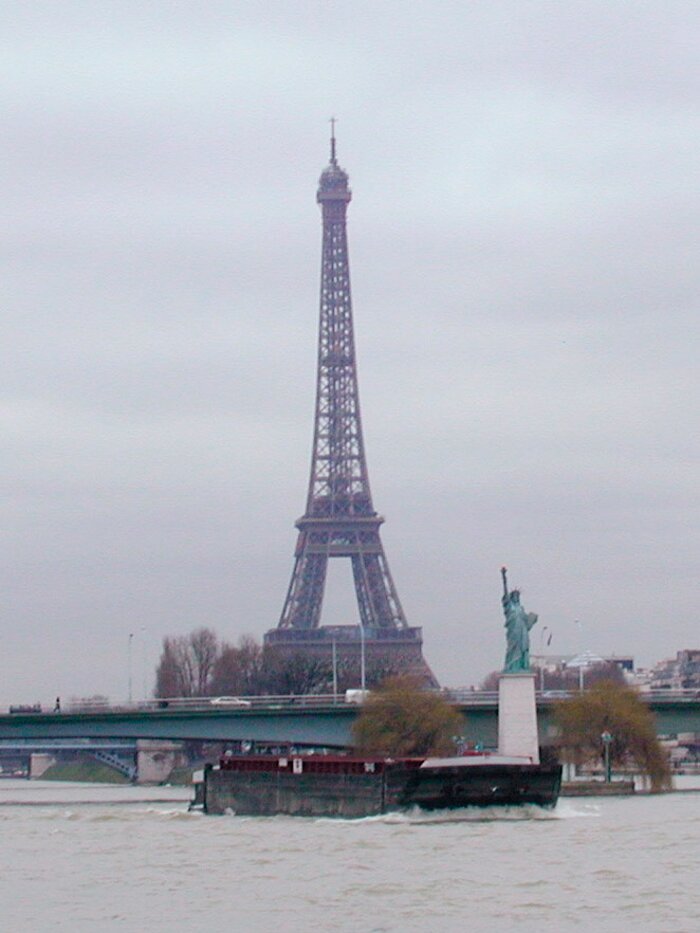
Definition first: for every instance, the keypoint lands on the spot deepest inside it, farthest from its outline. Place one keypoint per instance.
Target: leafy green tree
(401, 719)
(616, 709)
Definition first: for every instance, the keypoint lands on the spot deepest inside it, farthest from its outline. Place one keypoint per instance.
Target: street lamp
(606, 738)
(335, 671)
(131, 638)
(545, 628)
(143, 662)
(362, 658)
(580, 656)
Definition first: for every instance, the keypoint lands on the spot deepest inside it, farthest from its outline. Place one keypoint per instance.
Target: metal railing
(461, 695)
(213, 704)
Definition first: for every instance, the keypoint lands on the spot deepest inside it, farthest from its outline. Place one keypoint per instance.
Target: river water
(88, 857)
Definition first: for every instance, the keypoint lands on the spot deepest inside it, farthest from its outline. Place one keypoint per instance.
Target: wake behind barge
(345, 786)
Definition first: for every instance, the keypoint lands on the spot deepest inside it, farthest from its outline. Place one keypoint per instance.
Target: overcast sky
(523, 244)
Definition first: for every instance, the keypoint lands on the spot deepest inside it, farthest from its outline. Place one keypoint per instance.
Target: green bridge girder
(318, 724)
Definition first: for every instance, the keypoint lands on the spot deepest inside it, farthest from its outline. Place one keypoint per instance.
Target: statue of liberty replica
(518, 624)
(517, 711)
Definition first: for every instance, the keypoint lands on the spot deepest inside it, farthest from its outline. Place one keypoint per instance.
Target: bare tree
(170, 676)
(298, 674)
(567, 678)
(186, 664)
(490, 682)
(203, 649)
(238, 669)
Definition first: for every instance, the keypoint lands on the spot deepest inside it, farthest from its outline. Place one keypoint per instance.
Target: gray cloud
(523, 258)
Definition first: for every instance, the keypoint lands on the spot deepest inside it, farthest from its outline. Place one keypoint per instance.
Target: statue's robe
(518, 624)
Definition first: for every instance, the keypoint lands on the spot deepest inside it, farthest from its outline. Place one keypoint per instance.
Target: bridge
(31, 757)
(303, 720)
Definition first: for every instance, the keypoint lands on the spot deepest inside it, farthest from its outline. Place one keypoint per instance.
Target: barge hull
(480, 786)
(396, 787)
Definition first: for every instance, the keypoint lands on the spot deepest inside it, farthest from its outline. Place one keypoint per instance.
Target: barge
(352, 786)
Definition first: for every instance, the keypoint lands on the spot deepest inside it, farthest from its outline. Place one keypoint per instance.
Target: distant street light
(143, 662)
(606, 738)
(335, 671)
(580, 655)
(545, 628)
(131, 638)
(362, 658)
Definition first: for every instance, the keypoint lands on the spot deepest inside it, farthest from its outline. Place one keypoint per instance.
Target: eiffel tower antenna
(340, 520)
(333, 122)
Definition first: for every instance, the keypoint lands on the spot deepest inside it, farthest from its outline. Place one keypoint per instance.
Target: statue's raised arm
(518, 624)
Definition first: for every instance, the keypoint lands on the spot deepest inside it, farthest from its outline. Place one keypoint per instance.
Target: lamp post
(335, 671)
(545, 628)
(143, 662)
(606, 738)
(362, 658)
(131, 638)
(580, 655)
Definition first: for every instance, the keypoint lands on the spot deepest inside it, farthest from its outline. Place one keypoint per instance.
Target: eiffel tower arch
(340, 520)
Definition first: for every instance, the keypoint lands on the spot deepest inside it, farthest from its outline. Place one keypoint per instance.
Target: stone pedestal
(517, 717)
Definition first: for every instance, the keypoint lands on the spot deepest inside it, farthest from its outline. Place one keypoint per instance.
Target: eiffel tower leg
(302, 607)
(376, 591)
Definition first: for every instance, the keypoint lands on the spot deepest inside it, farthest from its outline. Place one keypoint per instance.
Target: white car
(356, 696)
(229, 701)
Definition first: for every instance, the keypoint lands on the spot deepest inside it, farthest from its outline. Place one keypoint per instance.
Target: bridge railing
(281, 701)
(211, 704)
(467, 696)
(461, 695)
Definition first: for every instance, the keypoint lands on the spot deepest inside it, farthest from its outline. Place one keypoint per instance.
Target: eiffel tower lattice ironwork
(340, 520)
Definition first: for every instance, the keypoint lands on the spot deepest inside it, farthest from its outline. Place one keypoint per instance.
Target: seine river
(86, 857)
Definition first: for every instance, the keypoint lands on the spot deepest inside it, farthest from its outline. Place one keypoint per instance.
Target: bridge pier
(156, 758)
(39, 763)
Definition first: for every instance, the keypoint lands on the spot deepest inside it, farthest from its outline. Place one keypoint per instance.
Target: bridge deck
(305, 720)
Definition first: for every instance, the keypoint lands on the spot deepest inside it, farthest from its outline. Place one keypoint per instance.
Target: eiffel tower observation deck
(340, 520)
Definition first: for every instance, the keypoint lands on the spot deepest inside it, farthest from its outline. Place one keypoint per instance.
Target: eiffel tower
(340, 519)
